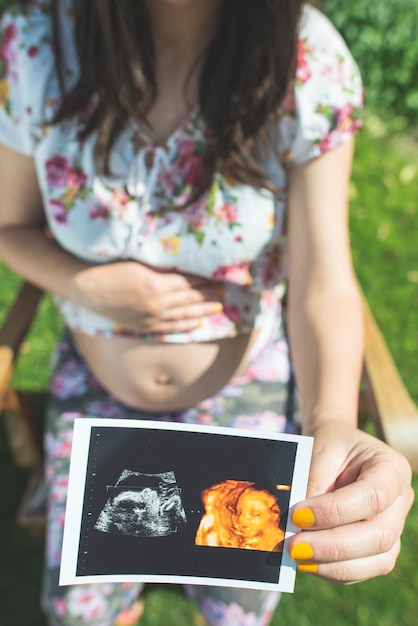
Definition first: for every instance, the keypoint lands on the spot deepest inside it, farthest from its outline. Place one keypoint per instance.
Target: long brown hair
(246, 70)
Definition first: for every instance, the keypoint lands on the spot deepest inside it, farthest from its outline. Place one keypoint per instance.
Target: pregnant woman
(167, 168)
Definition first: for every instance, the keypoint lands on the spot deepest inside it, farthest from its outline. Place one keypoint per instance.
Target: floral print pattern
(145, 211)
(245, 402)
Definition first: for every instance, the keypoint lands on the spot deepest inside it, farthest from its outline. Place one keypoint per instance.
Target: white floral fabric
(233, 234)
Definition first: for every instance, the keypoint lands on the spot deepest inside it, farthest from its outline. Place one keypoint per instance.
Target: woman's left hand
(359, 495)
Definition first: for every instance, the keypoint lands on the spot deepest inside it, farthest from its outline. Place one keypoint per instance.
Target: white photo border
(76, 493)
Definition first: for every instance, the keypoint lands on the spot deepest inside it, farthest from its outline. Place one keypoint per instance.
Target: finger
(353, 571)
(369, 496)
(194, 312)
(354, 541)
(181, 297)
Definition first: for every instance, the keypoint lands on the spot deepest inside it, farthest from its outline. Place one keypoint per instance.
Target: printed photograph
(170, 502)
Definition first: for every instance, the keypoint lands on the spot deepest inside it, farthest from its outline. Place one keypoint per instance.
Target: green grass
(384, 229)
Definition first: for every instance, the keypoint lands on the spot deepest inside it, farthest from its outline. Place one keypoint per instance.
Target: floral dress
(233, 234)
(139, 212)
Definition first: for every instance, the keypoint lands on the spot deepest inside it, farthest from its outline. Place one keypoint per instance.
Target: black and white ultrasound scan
(143, 505)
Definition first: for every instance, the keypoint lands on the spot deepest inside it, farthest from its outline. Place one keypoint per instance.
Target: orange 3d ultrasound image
(237, 515)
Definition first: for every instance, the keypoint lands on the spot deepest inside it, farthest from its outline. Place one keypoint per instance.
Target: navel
(163, 380)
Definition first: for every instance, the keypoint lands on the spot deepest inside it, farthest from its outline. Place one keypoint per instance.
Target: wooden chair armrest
(393, 411)
(14, 329)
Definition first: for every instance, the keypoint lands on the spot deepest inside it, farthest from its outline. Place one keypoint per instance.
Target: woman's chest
(145, 210)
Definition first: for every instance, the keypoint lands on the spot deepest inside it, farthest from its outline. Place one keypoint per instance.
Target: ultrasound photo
(143, 505)
(155, 502)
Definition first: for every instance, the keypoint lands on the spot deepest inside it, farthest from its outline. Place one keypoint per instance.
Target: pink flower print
(54, 538)
(219, 614)
(327, 143)
(70, 416)
(303, 72)
(196, 215)
(9, 34)
(227, 213)
(273, 367)
(193, 171)
(238, 274)
(87, 602)
(76, 179)
(76, 182)
(204, 419)
(99, 212)
(58, 211)
(57, 171)
(60, 447)
(218, 320)
(186, 147)
(188, 166)
(232, 312)
(33, 51)
(120, 199)
(268, 421)
(59, 488)
(59, 606)
(107, 408)
(269, 270)
(70, 381)
(8, 52)
(345, 121)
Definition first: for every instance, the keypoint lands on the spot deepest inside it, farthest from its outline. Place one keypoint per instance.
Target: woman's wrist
(320, 420)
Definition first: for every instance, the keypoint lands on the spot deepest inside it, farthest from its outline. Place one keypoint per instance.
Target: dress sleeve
(322, 107)
(26, 63)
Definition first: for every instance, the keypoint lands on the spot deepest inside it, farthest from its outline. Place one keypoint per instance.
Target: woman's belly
(161, 376)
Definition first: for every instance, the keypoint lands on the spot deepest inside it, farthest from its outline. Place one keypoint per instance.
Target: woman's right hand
(133, 295)
(147, 300)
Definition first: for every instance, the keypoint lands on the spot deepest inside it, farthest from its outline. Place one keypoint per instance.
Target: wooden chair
(384, 401)
(22, 423)
(384, 397)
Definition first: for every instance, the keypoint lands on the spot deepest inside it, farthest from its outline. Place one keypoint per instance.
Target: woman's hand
(140, 298)
(359, 495)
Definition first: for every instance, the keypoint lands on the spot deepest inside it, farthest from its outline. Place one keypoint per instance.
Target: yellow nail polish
(217, 307)
(303, 518)
(307, 568)
(302, 552)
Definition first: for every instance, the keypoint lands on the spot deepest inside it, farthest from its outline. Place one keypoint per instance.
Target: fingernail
(301, 552)
(307, 568)
(217, 307)
(303, 518)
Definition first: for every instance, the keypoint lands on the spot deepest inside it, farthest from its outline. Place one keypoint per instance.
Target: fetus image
(239, 516)
(143, 505)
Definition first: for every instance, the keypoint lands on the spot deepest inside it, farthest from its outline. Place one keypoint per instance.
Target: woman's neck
(182, 28)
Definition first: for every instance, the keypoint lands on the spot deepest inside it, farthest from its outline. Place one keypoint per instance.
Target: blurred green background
(384, 228)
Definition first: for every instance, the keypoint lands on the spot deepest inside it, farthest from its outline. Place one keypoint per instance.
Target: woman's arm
(133, 295)
(325, 314)
(359, 489)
